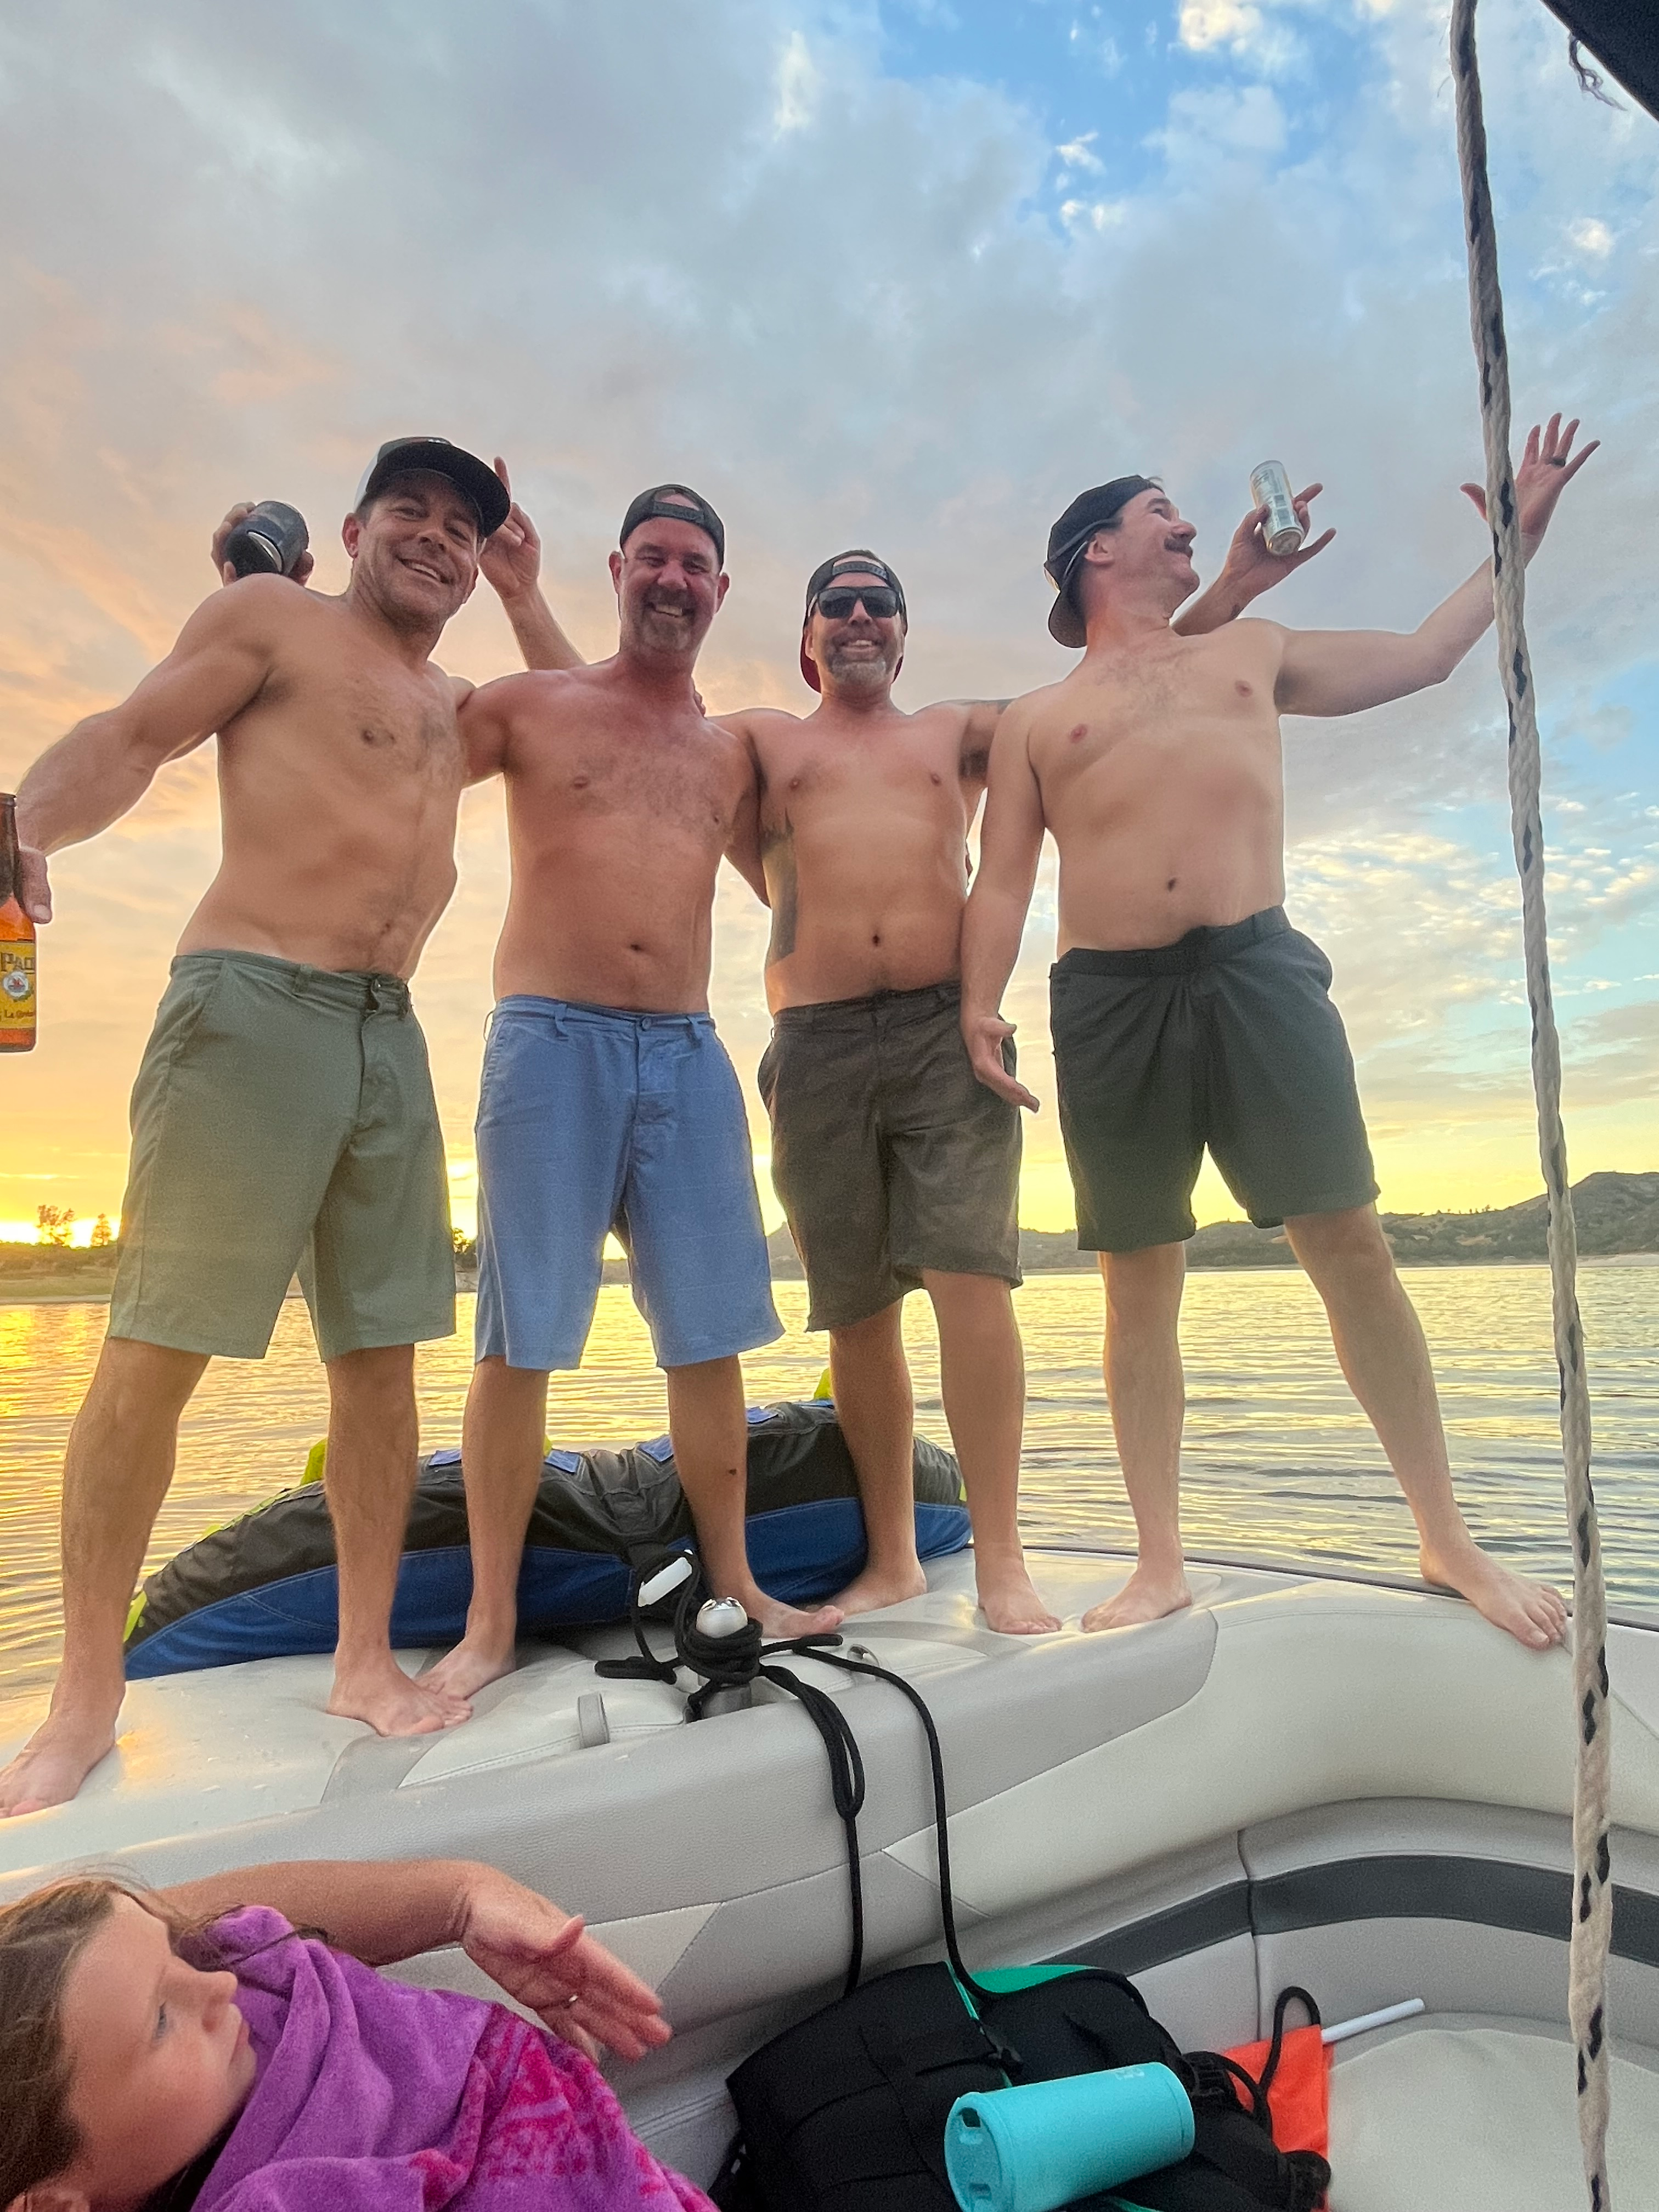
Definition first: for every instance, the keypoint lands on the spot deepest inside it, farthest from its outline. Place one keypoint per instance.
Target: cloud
(241, 248)
(1206, 23)
(1591, 238)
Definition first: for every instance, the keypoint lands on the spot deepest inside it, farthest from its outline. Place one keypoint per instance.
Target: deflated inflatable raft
(1356, 1787)
(267, 1586)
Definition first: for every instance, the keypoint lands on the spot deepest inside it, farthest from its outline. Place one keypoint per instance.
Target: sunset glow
(234, 268)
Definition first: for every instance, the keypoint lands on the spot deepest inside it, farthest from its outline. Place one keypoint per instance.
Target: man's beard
(859, 673)
(668, 624)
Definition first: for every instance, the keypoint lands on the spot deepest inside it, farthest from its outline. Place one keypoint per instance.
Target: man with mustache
(283, 1113)
(1187, 1013)
(606, 1099)
(898, 1170)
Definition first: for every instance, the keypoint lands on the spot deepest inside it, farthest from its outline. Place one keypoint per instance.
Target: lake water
(1279, 1460)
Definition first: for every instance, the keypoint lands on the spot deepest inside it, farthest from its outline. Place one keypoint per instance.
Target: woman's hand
(548, 1962)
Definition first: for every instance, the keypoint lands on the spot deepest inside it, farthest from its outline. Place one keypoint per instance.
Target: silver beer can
(1270, 487)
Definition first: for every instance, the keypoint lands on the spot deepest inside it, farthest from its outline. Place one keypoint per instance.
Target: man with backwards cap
(606, 1099)
(1186, 1010)
(283, 1114)
(897, 1169)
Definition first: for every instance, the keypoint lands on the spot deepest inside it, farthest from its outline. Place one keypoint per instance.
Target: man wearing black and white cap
(283, 1115)
(1187, 1012)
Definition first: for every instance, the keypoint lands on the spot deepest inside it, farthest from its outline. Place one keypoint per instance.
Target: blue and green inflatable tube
(267, 1586)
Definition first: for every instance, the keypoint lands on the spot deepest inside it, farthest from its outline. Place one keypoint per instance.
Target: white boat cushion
(1480, 2120)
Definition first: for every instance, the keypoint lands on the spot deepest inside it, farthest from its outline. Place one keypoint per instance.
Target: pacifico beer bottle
(16, 941)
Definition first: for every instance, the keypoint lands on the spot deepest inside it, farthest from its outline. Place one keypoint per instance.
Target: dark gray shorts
(1226, 1038)
(889, 1154)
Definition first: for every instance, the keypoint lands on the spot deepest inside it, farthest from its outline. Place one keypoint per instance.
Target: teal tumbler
(1041, 2145)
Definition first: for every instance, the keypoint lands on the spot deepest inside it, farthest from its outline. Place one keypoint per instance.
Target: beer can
(1270, 487)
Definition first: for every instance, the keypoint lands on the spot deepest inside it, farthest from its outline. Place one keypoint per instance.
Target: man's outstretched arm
(103, 767)
(1011, 845)
(1341, 671)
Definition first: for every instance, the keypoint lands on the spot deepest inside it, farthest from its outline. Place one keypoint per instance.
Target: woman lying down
(209, 2046)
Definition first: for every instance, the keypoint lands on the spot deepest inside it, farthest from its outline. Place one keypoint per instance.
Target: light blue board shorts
(594, 1118)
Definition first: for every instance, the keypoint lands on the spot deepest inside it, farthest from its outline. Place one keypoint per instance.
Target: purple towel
(375, 2097)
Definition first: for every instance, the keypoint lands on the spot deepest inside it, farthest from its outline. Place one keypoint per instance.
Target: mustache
(659, 600)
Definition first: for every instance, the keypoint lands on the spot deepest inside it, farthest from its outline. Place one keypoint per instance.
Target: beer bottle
(16, 941)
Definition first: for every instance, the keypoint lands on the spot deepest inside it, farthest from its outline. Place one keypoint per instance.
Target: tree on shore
(102, 1235)
(54, 1225)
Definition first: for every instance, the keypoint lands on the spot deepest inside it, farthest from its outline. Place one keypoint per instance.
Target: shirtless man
(897, 1169)
(283, 1113)
(1187, 1011)
(607, 1098)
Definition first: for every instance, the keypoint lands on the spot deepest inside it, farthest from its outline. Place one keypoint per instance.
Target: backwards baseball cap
(469, 475)
(675, 503)
(1069, 540)
(858, 562)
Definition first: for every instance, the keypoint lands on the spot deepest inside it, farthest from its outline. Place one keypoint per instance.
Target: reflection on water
(1278, 1457)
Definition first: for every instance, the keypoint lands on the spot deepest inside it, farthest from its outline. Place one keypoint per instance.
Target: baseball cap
(858, 561)
(674, 503)
(464, 470)
(1069, 540)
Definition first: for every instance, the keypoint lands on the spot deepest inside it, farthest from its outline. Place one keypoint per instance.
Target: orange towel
(1298, 2095)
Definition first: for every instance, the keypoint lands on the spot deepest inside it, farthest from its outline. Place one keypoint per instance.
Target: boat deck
(1358, 1788)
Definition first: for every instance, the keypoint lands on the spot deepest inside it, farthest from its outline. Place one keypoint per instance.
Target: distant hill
(1614, 1213)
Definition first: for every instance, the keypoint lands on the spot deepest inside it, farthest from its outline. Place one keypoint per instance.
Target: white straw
(1367, 2021)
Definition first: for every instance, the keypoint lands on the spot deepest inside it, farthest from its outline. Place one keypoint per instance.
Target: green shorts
(283, 1119)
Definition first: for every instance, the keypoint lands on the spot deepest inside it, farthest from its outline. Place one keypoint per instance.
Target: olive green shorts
(284, 1119)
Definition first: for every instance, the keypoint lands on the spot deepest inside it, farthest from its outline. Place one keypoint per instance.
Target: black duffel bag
(845, 2112)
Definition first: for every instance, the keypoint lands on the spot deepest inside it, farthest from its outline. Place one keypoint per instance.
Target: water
(1279, 1459)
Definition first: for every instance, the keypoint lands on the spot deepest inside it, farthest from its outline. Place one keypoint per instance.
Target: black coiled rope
(736, 1662)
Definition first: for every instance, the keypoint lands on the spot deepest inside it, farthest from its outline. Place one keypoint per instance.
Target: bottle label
(16, 986)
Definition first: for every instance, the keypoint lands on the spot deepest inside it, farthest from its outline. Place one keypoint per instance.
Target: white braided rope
(1592, 1921)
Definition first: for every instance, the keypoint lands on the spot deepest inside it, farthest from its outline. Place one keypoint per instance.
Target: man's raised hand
(1250, 569)
(511, 558)
(226, 571)
(1548, 465)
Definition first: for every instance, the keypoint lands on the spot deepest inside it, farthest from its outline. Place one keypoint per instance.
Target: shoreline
(17, 1290)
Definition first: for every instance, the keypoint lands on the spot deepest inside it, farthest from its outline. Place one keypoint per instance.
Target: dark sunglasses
(880, 601)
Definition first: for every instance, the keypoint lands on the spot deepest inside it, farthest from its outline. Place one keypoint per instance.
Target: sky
(896, 272)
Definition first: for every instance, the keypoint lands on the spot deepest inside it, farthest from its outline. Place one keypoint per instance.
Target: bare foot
(778, 1621)
(392, 1703)
(1532, 1612)
(1009, 1601)
(53, 1763)
(474, 1661)
(875, 1587)
(1147, 1596)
